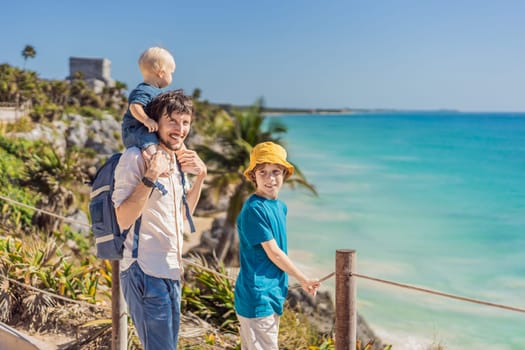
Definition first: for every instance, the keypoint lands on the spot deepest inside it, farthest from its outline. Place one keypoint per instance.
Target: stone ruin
(96, 72)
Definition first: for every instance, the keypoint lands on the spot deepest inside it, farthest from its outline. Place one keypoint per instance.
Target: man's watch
(147, 182)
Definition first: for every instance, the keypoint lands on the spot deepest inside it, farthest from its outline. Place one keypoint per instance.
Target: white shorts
(261, 333)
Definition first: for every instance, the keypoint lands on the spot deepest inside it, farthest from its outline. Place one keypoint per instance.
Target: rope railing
(8, 104)
(63, 218)
(69, 220)
(436, 292)
(202, 267)
(56, 296)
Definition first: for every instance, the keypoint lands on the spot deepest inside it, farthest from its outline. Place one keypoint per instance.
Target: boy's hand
(311, 286)
(151, 125)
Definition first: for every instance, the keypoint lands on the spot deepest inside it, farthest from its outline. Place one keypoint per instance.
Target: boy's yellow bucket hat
(268, 152)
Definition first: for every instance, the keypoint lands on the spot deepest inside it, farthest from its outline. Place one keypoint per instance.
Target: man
(151, 201)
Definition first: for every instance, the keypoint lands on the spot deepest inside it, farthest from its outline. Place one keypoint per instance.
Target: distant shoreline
(384, 111)
(272, 111)
(276, 111)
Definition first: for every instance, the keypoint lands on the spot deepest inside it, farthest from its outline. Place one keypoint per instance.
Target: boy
(262, 283)
(157, 66)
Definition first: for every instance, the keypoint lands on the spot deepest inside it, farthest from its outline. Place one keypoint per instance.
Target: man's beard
(173, 145)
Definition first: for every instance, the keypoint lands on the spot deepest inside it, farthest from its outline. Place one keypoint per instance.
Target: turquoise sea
(435, 200)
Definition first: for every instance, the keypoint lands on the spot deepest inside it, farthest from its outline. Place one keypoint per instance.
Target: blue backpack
(109, 240)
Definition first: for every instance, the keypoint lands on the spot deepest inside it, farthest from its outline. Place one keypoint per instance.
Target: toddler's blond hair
(156, 59)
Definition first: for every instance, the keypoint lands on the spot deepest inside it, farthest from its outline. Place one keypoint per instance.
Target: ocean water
(435, 200)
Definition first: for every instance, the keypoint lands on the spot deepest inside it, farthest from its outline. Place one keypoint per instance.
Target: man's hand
(190, 162)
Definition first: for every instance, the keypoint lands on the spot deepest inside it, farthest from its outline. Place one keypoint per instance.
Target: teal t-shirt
(261, 287)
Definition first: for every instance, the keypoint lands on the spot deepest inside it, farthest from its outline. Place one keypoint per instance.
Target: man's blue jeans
(154, 305)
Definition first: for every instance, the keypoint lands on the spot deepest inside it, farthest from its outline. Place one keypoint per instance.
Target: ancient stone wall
(94, 70)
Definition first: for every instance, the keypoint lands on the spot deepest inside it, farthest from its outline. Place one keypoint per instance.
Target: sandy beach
(193, 239)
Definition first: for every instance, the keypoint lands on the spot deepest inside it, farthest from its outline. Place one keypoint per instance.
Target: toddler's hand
(151, 125)
(160, 164)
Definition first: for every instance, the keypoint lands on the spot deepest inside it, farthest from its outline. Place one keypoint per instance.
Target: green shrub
(88, 111)
(23, 124)
(211, 298)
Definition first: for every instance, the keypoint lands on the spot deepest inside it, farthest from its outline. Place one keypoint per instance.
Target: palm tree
(28, 52)
(232, 138)
(80, 95)
(113, 97)
(8, 83)
(57, 91)
(54, 177)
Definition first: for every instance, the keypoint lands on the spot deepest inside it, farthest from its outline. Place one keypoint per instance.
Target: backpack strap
(184, 198)
(135, 250)
(161, 188)
(136, 230)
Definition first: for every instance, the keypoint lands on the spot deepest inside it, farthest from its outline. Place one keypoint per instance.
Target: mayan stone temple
(96, 71)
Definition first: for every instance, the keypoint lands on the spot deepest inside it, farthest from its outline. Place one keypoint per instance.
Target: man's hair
(169, 102)
(155, 59)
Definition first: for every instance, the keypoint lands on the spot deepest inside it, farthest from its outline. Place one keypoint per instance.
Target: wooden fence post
(119, 316)
(345, 300)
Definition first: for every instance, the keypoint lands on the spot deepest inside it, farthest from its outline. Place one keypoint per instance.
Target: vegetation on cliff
(43, 256)
(42, 252)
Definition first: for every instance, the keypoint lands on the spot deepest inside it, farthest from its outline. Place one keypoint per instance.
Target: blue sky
(402, 54)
